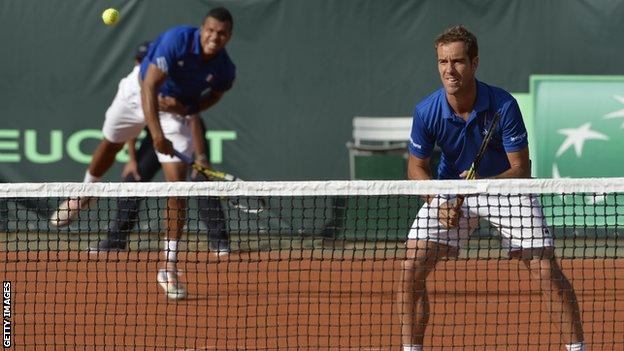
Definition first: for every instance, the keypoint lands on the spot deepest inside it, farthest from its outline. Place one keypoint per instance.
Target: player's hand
(163, 145)
(172, 105)
(202, 160)
(131, 169)
(464, 174)
(449, 213)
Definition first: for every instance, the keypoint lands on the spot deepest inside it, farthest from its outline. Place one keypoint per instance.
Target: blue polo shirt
(435, 122)
(177, 52)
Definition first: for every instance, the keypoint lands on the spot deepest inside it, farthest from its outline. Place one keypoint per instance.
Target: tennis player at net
(165, 93)
(456, 117)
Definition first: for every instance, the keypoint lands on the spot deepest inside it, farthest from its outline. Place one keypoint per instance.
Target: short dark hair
(459, 33)
(221, 14)
(141, 51)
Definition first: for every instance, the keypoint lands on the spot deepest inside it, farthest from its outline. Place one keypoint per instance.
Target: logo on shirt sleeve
(161, 63)
(518, 137)
(417, 146)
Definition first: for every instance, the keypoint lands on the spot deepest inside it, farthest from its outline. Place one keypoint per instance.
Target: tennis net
(313, 266)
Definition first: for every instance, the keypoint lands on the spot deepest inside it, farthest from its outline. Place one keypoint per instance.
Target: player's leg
(178, 132)
(102, 160)
(128, 208)
(561, 298)
(413, 298)
(124, 120)
(174, 220)
(211, 213)
(427, 241)
(524, 229)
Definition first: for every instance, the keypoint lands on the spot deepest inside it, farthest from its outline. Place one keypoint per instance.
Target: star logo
(616, 114)
(577, 121)
(577, 136)
(555, 172)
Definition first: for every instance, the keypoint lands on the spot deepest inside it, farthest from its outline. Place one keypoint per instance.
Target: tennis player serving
(457, 117)
(165, 93)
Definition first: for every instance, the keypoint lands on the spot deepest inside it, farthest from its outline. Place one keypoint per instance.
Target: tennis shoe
(68, 211)
(170, 282)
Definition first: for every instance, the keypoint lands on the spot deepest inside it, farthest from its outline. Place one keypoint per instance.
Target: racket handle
(472, 173)
(183, 157)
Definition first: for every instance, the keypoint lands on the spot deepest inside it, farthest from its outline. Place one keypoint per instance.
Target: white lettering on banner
(6, 315)
(49, 147)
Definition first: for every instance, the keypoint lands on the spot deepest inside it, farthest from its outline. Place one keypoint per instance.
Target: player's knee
(408, 265)
(550, 271)
(550, 276)
(417, 268)
(111, 146)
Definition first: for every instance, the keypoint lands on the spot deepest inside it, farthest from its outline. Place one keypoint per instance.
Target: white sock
(577, 346)
(171, 252)
(88, 178)
(412, 348)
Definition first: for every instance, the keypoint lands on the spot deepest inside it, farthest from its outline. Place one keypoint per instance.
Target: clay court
(294, 300)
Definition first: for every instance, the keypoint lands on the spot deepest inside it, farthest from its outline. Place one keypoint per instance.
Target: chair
(378, 136)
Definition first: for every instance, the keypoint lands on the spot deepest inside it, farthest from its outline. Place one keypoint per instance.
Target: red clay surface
(291, 301)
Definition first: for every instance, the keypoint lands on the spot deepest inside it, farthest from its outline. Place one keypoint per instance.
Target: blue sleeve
(514, 133)
(167, 52)
(421, 140)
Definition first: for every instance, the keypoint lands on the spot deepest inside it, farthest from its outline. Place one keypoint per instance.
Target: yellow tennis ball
(110, 16)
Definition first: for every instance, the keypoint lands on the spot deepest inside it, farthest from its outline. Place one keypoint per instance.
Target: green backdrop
(305, 68)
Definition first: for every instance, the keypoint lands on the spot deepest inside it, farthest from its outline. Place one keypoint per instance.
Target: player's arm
(419, 169)
(171, 104)
(199, 141)
(154, 78)
(131, 166)
(420, 148)
(520, 165)
(132, 150)
(515, 142)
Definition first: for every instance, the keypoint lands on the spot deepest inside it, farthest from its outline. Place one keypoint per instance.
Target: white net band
(317, 188)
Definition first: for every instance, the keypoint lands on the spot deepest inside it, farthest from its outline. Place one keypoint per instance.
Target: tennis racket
(472, 171)
(247, 204)
(207, 172)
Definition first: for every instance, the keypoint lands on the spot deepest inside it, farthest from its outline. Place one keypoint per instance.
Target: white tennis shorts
(125, 119)
(518, 218)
